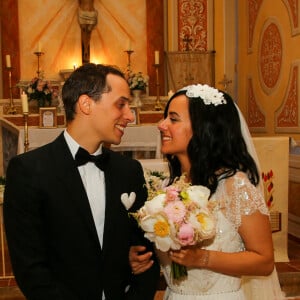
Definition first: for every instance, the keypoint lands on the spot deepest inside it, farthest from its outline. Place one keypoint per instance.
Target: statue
(87, 18)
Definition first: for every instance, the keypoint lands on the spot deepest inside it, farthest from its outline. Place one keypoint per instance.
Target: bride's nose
(162, 125)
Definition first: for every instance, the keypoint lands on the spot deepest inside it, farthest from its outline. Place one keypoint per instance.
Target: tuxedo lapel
(113, 186)
(67, 172)
(116, 215)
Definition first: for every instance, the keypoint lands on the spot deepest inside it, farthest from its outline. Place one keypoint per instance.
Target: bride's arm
(257, 259)
(243, 205)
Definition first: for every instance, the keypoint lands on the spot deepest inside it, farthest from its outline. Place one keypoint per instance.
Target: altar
(141, 139)
(144, 138)
(138, 141)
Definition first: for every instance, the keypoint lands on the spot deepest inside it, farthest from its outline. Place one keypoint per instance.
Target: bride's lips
(166, 138)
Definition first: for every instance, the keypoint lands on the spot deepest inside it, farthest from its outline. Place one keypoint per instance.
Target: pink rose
(175, 211)
(186, 235)
(172, 193)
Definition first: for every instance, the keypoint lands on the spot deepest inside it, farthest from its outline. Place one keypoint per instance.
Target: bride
(205, 136)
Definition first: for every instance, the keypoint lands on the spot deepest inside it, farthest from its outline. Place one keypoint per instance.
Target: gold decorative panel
(184, 68)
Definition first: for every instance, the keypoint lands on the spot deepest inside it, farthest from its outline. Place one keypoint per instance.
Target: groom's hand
(140, 261)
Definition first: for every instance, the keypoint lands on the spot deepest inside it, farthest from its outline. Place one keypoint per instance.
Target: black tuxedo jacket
(52, 239)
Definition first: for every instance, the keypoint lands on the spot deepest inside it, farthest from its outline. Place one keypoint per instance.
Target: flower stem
(178, 271)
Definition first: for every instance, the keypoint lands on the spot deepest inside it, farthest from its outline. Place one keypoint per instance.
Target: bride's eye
(173, 120)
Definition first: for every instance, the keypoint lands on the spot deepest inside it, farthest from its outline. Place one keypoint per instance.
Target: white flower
(204, 224)
(208, 94)
(155, 205)
(198, 194)
(160, 231)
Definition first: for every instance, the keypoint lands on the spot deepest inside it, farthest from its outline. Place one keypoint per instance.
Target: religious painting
(48, 117)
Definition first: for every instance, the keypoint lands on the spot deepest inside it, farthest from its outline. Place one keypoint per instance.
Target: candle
(156, 55)
(24, 102)
(170, 94)
(39, 47)
(8, 63)
(129, 45)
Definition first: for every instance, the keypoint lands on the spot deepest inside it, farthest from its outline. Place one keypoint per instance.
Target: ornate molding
(270, 55)
(253, 9)
(294, 15)
(192, 25)
(255, 116)
(287, 116)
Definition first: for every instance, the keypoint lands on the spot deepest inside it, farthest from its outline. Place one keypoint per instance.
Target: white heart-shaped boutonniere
(128, 200)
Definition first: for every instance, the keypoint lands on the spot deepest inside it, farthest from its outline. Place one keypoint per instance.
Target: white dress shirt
(94, 183)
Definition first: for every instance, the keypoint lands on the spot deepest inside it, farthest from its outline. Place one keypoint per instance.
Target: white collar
(73, 145)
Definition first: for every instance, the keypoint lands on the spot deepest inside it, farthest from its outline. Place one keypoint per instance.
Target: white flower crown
(208, 94)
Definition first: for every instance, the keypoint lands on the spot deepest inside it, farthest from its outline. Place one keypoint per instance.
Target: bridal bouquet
(177, 215)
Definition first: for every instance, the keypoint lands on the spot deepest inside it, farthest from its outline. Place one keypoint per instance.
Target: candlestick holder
(129, 52)
(158, 105)
(26, 139)
(38, 54)
(12, 109)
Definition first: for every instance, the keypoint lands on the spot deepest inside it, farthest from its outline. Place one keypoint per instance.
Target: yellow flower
(161, 228)
(206, 227)
(184, 195)
(202, 219)
(160, 231)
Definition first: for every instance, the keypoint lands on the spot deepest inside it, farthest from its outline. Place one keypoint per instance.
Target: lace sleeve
(242, 198)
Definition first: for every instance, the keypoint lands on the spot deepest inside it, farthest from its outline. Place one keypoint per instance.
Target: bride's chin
(164, 150)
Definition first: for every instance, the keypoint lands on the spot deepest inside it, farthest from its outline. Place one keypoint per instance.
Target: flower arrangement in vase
(137, 83)
(41, 91)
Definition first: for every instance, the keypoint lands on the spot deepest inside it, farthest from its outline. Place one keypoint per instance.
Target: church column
(155, 41)
(10, 44)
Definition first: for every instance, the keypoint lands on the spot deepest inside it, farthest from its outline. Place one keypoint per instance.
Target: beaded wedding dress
(234, 197)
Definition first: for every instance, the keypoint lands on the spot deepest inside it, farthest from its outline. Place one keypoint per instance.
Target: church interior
(247, 48)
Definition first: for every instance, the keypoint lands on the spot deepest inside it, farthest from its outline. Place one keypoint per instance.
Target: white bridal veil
(258, 287)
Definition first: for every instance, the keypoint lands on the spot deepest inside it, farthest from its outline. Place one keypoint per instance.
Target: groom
(67, 229)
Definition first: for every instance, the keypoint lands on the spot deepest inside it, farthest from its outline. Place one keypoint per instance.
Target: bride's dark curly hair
(217, 144)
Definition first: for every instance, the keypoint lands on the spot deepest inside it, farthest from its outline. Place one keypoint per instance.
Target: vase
(137, 98)
(33, 106)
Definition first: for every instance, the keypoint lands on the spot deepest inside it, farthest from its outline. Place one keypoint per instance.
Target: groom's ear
(84, 104)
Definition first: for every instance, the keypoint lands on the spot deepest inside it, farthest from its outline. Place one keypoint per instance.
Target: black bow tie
(82, 157)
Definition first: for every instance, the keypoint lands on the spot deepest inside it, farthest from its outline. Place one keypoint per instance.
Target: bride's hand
(192, 257)
(139, 261)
